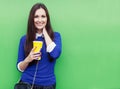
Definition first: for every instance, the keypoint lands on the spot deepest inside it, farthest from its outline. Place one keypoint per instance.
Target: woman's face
(40, 19)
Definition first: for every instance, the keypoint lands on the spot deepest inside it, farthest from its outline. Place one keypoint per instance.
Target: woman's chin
(39, 28)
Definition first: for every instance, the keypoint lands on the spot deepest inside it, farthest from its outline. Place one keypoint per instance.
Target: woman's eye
(36, 16)
(43, 16)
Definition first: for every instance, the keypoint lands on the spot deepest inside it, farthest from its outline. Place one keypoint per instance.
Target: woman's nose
(39, 19)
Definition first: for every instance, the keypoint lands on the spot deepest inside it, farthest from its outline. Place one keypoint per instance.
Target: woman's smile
(40, 19)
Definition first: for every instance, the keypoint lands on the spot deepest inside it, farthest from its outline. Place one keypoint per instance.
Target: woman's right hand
(33, 56)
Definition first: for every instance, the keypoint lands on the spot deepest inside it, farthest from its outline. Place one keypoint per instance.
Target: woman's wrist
(23, 64)
(27, 60)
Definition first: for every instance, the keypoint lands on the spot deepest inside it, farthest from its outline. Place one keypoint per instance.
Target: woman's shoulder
(56, 34)
(23, 38)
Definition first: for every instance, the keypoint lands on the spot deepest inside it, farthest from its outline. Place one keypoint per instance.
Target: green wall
(90, 31)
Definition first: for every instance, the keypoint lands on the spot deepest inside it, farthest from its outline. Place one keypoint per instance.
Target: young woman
(39, 29)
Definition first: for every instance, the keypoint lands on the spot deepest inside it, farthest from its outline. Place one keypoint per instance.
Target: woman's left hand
(44, 31)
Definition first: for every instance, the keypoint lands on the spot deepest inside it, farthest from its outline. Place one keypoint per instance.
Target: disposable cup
(37, 45)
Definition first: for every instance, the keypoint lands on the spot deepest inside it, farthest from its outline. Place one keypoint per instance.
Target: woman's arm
(23, 61)
(32, 56)
(48, 40)
(53, 47)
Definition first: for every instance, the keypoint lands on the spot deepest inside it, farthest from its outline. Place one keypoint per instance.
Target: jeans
(43, 87)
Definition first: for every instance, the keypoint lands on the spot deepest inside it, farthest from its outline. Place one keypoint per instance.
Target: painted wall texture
(90, 31)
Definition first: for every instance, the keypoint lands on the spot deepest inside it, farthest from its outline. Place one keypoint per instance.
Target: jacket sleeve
(55, 53)
(21, 52)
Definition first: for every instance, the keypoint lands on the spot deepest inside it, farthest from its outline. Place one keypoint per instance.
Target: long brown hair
(31, 30)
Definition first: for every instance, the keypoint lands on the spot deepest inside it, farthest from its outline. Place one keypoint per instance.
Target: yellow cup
(37, 45)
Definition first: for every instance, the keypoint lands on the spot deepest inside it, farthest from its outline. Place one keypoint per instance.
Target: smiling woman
(39, 73)
(90, 31)
(40, 19)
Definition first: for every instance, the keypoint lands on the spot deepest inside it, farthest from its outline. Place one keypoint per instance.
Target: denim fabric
(43, 87)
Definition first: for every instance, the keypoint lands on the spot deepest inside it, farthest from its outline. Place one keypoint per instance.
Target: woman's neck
(39, 31)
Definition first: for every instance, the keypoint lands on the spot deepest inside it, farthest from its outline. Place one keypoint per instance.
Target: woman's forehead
(40, 11)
